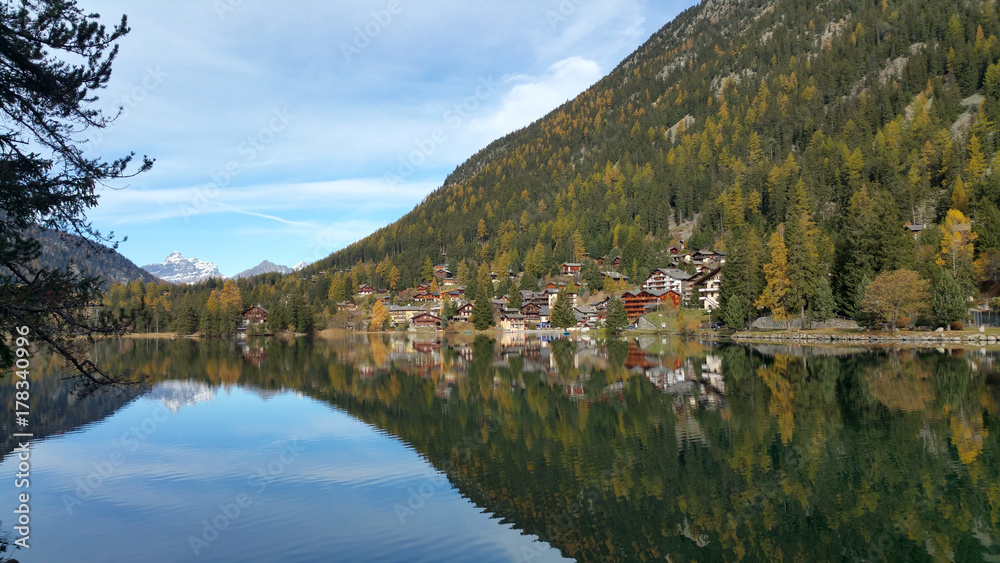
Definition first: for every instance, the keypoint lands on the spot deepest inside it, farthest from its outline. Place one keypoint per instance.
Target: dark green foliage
(948, 302)
(987, 226)
(528, 282)
(514, 300)
(742, 276)
(734, 312)
(822, 306)
(617, 318)
(562, 312)
(54, 58)
(871, 241)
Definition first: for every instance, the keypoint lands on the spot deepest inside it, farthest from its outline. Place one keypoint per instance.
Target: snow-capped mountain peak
(299, 266)
(179, 269)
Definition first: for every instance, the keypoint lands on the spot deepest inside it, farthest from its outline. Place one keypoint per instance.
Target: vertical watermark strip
(22, 408)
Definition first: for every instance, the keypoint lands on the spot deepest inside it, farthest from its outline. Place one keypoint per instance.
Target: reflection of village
(581, 370)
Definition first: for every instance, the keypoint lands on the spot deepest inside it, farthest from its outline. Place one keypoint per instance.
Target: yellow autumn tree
(957, 245)
(380, 317)
(776, 274)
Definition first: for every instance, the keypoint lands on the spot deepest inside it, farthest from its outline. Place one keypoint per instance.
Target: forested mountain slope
(739, 116)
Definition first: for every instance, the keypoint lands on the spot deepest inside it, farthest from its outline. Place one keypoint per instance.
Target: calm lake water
(373, 448)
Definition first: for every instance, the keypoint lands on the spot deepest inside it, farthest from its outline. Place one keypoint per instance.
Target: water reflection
(648, 448)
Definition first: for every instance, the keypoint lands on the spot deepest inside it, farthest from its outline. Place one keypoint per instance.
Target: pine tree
(54, 58)
(742, 275)
(427, 272)
(482, 311)
(617, 319)
(803, 257)
(562, 312)
(948, 302)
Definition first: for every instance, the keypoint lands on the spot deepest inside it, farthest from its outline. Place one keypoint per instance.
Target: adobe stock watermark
(231, 511)
(104, 470)
(453, 118)
(224, 7)
(365, 34)
(249, 149)
(558, 15)
(151, 81)
(418, 496)
(592, 492)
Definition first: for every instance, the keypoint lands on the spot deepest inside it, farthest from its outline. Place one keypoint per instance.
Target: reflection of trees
(871, 456)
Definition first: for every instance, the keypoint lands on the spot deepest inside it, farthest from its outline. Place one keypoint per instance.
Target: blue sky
(287, 131)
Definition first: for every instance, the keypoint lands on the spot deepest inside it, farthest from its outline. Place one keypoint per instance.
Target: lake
(428, 448)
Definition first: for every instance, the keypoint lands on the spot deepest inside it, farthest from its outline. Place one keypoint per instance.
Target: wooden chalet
(643, 301)
(571, 268)
(366, 290)
(427, 320)
(255, 315)
(464, 312)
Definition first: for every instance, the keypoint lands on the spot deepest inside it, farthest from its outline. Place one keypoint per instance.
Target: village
(691, 280)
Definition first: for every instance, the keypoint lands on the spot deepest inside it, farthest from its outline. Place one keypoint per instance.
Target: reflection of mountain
(825, 455)
(54, 410)
(179, 394)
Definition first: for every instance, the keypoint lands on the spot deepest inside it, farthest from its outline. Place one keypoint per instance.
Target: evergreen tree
(734, 312)
(528, 282)
(617, 319)
(54, 58)
(482, 311)
(803, 256)
(562, 312)
(427, 272)
(948, 302)
(822, 306)
(514, 299)
(742, 275)
(987, 226)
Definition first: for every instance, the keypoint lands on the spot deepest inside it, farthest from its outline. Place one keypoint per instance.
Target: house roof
(674, 273)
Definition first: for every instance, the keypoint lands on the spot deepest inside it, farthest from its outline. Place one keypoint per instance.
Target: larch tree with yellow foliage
(776, 274)
(956, 253)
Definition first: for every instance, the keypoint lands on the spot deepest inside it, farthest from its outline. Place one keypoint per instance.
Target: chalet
(532, 313)
(499, 305)
(601, 305)
(422, 288)
(708, 288)
(539, 298)
(255, 315)
(571, 268)
(600, 261)
(510, 321)
(402, 315)
(643, 301)
(427, 297)
(427, 320)
(669, 279)
(586, 316)
(347, 306)
(464, 312)
(366, 290)
(615, 277)
(616, 262)
(443, 274)
(915, 230)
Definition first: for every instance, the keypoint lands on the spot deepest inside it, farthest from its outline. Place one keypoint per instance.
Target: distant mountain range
(62, 250)
(178, 269)
(264, 267)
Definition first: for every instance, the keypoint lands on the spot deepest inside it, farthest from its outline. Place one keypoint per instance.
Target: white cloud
(533, 97)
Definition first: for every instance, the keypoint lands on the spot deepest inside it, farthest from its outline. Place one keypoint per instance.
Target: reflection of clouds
(178, 394)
